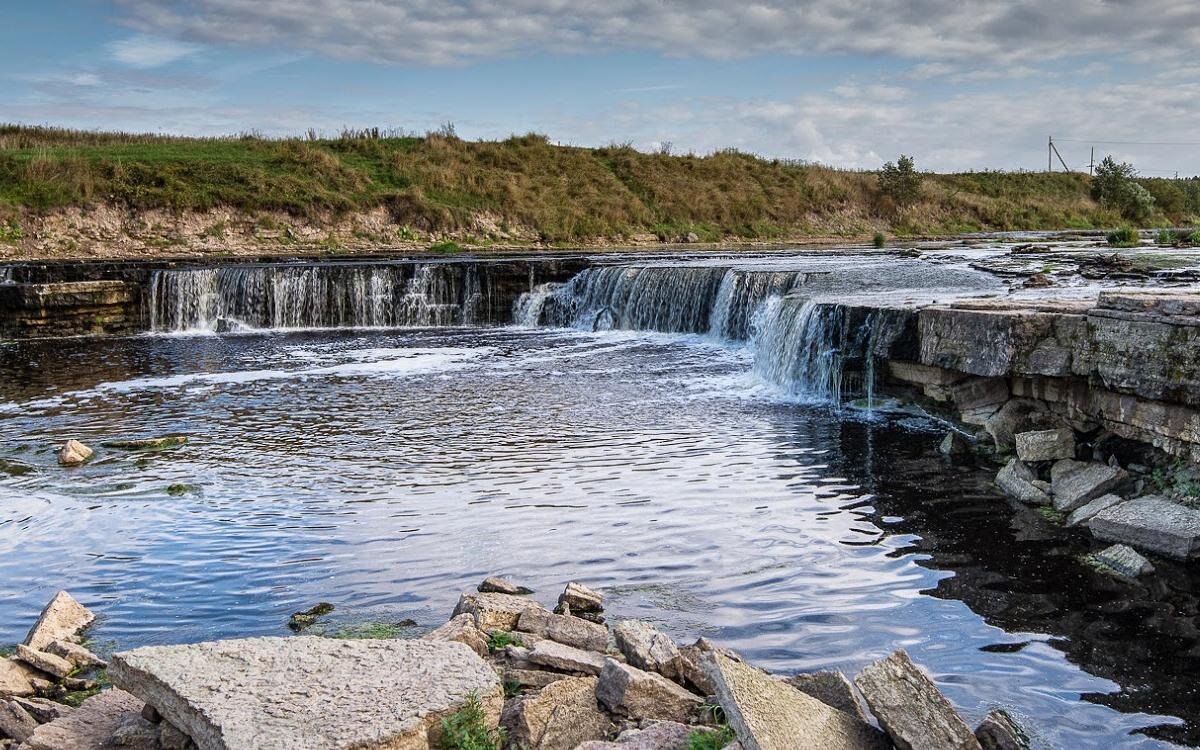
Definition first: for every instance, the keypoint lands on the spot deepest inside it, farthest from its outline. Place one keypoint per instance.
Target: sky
(958, 84)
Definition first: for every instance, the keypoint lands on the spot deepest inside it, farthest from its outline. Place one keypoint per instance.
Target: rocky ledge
(504, 672)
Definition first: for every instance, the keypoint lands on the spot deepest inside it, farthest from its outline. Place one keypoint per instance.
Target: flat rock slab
(1085, 513)
(1123, 560)
(88, 727)
(1016, 481)
(308, 691)
(665, 735)
(637, 694)
(556, 655)
(16, 677)
(768, 714)
(831, 688)
(1151, 523)
(566, 629)
(1046, 445)
(910, 708)
(61, 620)
(1075, 483)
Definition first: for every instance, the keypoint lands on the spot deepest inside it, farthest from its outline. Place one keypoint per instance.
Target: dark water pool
(386, 472)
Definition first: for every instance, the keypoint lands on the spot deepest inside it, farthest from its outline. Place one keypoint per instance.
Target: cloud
(443, 32)
(142, 51)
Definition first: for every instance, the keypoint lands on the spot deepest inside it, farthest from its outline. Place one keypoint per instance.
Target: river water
(386, 471)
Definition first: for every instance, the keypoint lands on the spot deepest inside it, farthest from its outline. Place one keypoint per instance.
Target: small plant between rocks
(1123, 237)
(467, 729)
(711, 740)
(501, 639)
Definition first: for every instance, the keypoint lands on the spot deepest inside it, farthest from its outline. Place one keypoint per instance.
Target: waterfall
(670, 299)
(6, 275)
(315, 296)
(824, 350)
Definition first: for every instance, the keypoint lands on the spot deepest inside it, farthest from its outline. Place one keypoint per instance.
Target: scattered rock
(692, 664)
(1038, 281)
(578, 599)
(1017, 481)
(998, 731)
(61, 620)
(629, 691)
(148, 444)
(301, 620)
(15, 721)
(1015, 416)
(662, 735)
(1151, 523)
(462, 629)
(976, 394)
(910, 708)
(227, 694)
(1074, 484)
(135, 732)
(171, 738)
(566, 629)
(79, 656)
(43, 710)
(88, 727)
(496, 585)
(768, 714)
(74, 453)
(648, 649)
(16, 677)
(560, 717)
(1085, 513)
(954, 444)
(1046, 445)
(1123, 560)
(831, 688)
(532, 678)
(566, 658)
(494, 611)
(48, 663)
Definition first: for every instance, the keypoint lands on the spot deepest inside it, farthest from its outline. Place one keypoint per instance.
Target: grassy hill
(523, 190)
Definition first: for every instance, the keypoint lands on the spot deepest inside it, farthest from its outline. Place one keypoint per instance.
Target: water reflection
(386, 472)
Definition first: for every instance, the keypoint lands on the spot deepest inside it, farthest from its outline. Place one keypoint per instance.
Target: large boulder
(648, 649)
(308, 691)
(910, 708)
(561, 716)
(768, 714)
(566, 629)
(1151, 523)
(61, 620)
(1046, 445)
(1017, 416)
(494, 611)
(637, 694)
(1074, 484)
(89, 727)
(1017, 481)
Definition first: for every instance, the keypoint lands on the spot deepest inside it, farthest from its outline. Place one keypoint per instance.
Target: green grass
(1123, 237)
(467, 729)
(501, 639)
(439, 184)
(372, 630)
(714, 740)
(448, 247)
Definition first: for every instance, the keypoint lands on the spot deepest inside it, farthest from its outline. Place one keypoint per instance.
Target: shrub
(711, 740)
(900, 181)
(447, 247)
(1123, 237)
(879, 240)
(1114, 187)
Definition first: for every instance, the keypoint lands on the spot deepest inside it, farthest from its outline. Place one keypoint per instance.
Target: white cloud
(142, 51)
(439, 32)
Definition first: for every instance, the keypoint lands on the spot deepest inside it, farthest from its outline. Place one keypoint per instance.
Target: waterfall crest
(315, 296)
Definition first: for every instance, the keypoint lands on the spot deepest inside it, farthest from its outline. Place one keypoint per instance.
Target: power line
(1132, 143)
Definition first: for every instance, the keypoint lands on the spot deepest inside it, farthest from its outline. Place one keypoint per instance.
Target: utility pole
(1092, 163)
(1050, 154)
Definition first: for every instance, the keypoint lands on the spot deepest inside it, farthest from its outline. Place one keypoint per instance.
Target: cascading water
(320, 296)
(6, 275)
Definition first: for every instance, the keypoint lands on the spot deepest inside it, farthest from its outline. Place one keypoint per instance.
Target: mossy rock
(148, 444)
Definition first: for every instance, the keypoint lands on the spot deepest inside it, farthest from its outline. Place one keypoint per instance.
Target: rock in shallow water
(910, 708)
(1017, 481)
(497, 585)
(1123, 560)
(306, 691)
(1151, 523)
(998, 731)
(768, 714)
(494, 611)
(1076, 483)
(1085, 513)
(74, 453)
(61, 620)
